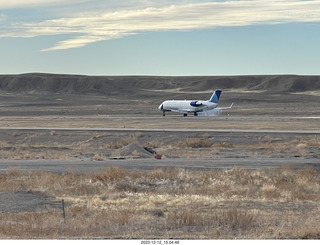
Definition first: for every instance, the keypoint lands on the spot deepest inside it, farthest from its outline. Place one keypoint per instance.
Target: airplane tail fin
(215, 96)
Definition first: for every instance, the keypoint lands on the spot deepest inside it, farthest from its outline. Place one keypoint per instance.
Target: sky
(160, 37)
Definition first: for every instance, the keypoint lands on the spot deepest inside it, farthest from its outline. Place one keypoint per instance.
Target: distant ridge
(80, 84)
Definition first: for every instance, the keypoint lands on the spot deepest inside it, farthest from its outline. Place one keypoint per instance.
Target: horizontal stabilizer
(224, 108)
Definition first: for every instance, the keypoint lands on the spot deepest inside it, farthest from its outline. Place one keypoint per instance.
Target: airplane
(192, 106)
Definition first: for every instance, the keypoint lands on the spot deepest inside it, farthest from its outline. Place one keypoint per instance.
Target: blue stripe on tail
(215, 96)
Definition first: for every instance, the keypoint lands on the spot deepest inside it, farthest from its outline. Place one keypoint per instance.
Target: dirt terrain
(67, 95)
(38, 112)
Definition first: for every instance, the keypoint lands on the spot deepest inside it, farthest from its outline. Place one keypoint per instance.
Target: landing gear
(195, 114)
(163, 113)
(185, 114)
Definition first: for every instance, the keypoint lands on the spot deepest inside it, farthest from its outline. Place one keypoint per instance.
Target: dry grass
(299, 146)
(205, 147)
(169, 203)
(59, 145)
(195, 143)
(123, 140)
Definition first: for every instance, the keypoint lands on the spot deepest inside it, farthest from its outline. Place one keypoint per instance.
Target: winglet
(215, 96)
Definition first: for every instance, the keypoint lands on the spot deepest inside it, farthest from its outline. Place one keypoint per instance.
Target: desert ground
(125, 171)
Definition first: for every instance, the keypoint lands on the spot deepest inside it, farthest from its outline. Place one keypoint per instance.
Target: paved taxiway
(79, 165)
(167, 130)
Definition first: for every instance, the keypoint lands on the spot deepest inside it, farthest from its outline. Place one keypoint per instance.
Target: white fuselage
(191, 106)
(186, 106)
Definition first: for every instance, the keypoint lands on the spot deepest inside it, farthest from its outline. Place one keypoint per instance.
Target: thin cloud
(98, 26)
(34, 3)
(3, 18)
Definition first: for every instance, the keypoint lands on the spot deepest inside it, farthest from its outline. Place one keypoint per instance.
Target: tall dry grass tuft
(109, 175)
(236, 219)
(184, 217)
(123, 141)
(163, 173)
(98, 157)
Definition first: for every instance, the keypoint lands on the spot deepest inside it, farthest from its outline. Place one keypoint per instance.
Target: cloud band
(98, 26)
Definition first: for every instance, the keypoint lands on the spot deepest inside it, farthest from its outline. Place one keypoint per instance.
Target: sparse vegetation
(162, 203)
(98, 157)
(61, 145)
(168, 203)
(195, 143)
(123, 140)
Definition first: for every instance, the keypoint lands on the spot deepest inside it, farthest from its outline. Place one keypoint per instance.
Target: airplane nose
(160, 107)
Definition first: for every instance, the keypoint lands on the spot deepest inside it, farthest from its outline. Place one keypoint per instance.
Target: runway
(172, 123)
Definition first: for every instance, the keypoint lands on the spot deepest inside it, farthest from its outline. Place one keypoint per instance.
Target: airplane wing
(225, 108)
(180, 111)
(185, 111)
